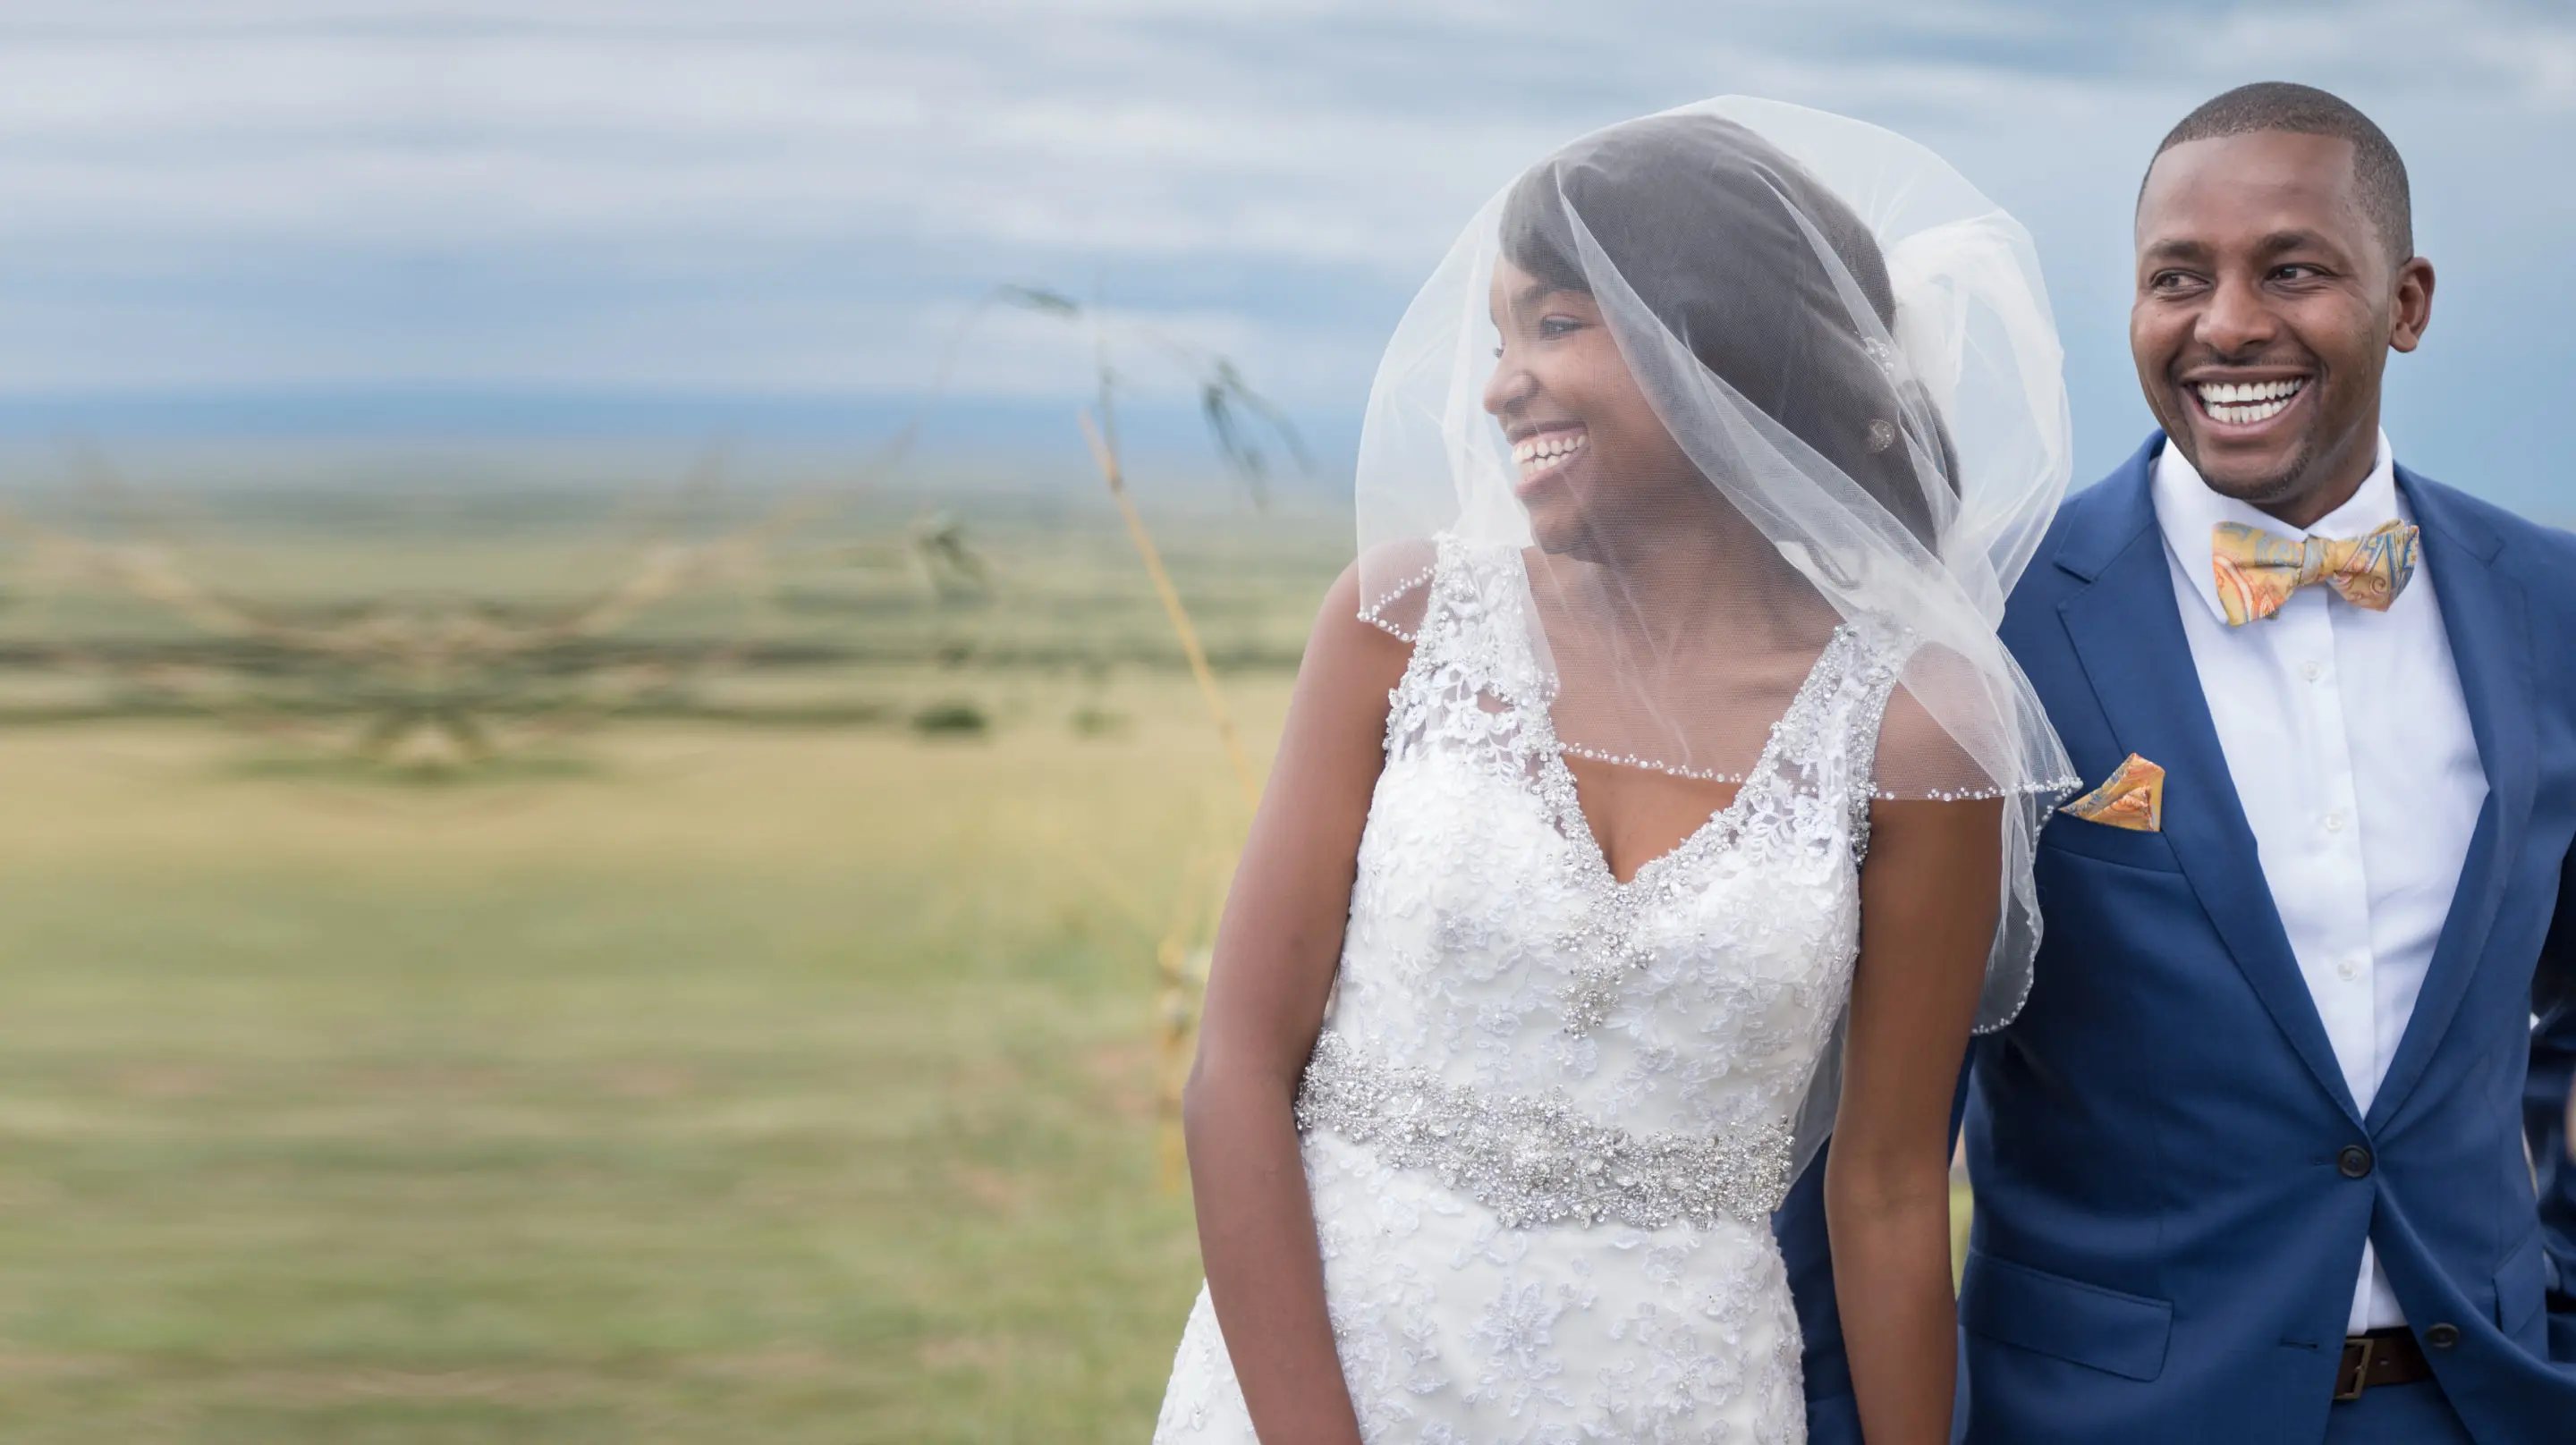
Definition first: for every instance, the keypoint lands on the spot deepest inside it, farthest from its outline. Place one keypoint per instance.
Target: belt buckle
(2368, 1349)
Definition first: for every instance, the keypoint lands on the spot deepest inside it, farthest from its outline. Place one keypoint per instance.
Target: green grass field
(719, 1084)
(669, 1081)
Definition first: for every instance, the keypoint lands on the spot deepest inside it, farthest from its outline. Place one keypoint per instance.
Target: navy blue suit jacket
(2173, 1182)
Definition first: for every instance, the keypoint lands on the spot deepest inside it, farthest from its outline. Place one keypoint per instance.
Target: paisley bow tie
(2258, 570)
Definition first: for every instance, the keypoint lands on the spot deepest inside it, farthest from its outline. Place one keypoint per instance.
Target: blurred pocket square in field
(2133, 797)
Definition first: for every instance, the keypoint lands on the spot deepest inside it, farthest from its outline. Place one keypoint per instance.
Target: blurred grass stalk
(1176, 1004)
(1106, 455)
(1182, 977)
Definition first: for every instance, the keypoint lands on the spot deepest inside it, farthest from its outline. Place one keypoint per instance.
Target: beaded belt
(1538, 1161)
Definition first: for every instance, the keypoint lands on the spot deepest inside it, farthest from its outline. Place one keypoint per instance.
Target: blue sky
(584, 214)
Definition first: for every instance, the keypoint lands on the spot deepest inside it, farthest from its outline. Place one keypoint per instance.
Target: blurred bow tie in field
(2258, 570)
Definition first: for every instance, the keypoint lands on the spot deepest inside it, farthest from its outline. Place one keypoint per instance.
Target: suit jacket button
(2354, 1161)
(2442, 1336)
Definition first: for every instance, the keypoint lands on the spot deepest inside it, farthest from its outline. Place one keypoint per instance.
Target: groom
(2250, 1166)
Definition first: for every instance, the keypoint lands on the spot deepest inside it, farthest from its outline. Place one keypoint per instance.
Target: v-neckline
(1573, 822)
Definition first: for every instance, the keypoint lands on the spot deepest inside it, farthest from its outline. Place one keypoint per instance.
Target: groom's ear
(2411, 312)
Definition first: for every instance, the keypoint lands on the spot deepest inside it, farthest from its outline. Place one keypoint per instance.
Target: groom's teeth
(2242, 403)
(2243, 391)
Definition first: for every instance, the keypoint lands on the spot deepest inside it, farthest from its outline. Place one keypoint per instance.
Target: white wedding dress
(1550, 1114)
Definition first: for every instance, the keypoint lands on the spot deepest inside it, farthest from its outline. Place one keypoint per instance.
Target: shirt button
(2354, 1161)
(2312, 670)
(2334, 822)
(2350, 969)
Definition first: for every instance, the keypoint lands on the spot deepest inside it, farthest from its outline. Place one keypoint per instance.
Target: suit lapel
(2483, 615)
(2128, 636)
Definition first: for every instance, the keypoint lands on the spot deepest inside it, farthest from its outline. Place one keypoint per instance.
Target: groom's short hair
(2378, 172)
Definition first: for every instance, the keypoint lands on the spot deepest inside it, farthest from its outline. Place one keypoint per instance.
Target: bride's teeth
(1546, 449)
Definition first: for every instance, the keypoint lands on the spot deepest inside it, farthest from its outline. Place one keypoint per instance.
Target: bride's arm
(1928, 902)
(1276, 951)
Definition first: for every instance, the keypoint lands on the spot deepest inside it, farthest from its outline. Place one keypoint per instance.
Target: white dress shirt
(2349, 744)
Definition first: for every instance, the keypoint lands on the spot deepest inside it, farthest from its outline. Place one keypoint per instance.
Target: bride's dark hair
(1700, 216)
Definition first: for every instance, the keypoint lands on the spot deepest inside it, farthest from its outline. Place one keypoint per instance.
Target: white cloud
(790, 194)
(1321, 130)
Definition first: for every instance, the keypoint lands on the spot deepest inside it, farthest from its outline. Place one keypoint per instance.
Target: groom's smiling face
(2267, 303)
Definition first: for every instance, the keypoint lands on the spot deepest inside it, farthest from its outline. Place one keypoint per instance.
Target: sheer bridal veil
(1853, 352)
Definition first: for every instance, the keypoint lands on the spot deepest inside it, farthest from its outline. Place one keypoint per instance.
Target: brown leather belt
(2381, 1357)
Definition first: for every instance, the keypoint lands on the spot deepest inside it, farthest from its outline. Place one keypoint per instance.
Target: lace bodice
(1489, 942)
(1551, 1112)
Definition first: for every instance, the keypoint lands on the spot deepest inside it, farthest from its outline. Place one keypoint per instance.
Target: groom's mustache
(2188, 367)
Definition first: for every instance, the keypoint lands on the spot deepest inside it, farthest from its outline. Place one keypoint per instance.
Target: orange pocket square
(2133, 797)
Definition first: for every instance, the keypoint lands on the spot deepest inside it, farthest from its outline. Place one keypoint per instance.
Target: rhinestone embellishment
(1539, 1161)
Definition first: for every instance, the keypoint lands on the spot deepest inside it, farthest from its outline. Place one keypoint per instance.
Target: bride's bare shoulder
(1363, 635)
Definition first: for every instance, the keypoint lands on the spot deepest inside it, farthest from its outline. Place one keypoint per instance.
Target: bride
(1655, 800)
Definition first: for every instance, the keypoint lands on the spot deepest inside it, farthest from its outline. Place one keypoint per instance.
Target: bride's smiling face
(1592, 457)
